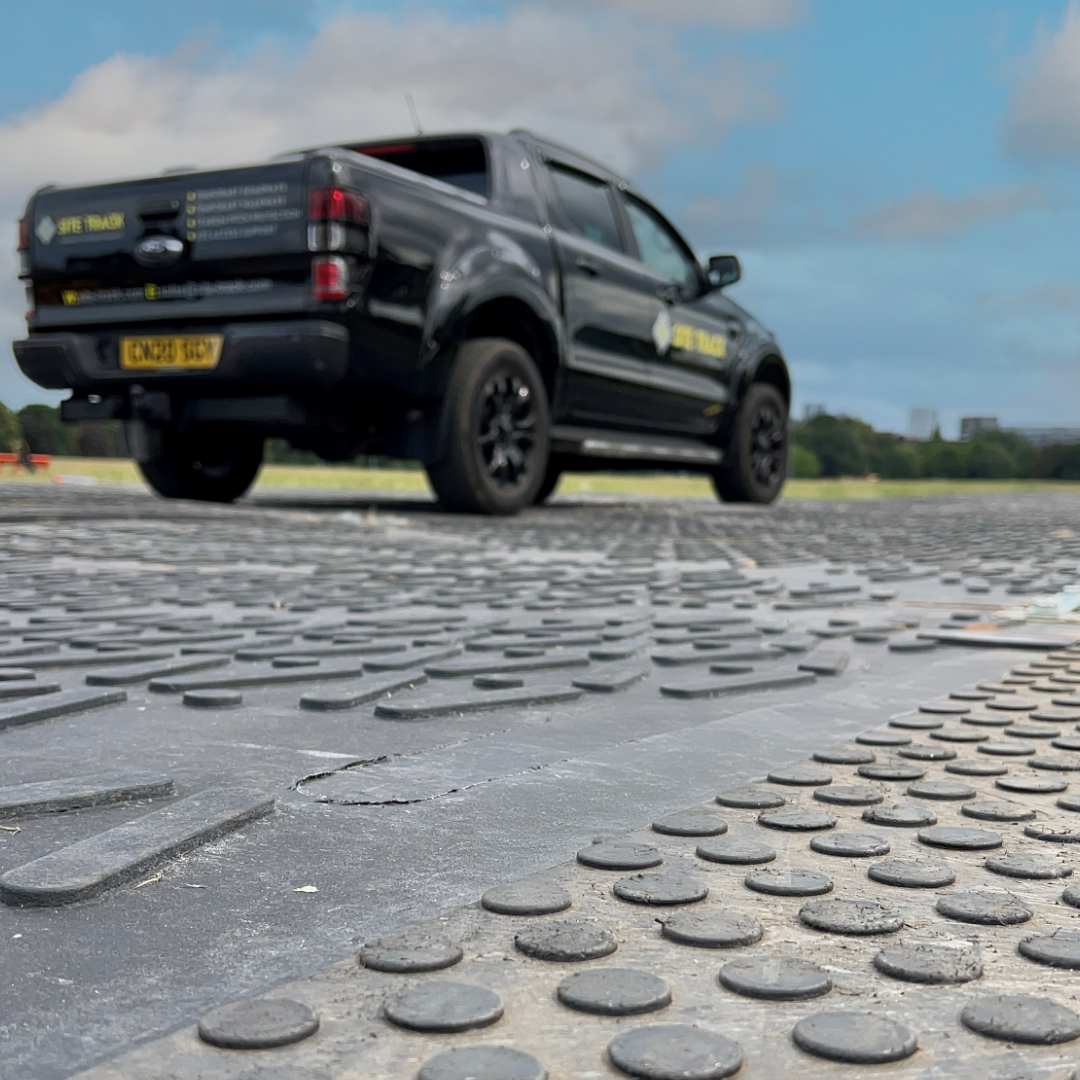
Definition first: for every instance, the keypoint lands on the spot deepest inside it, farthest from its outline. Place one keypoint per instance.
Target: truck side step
(601, 443)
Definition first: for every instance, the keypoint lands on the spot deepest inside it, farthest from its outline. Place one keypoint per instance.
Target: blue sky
(899, 179)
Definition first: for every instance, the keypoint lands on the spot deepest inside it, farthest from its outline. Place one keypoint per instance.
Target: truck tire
(497, 430)
(551, 480)
(757, 454)
(207, 465)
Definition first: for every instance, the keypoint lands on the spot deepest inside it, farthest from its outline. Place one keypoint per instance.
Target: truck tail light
(338, 204)
(329, 278)
(24, 234)
(331, 210)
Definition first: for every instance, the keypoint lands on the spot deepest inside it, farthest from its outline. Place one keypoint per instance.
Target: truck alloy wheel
(507, 427)
(768, 443)
(757, 454)
(496, 430)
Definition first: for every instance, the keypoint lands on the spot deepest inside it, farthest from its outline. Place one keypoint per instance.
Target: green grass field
(116, 471)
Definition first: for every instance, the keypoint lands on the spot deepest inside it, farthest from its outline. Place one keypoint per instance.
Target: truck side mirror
(724, 270)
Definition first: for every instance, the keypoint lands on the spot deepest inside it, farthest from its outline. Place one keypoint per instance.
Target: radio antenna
(413, 113)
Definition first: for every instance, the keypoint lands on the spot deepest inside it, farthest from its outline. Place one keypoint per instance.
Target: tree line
(826, 446)
(841, 446)
(38, 429)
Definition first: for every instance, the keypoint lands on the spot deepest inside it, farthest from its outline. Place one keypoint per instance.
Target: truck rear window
(461, 162)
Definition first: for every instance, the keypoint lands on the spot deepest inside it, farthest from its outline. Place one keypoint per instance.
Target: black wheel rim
(507, 434)
(768, 442)
(216, 459)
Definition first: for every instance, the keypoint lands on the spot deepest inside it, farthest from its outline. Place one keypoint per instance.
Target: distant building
(811, 411)
(1047, 436)
(970, 426)
(923, 423)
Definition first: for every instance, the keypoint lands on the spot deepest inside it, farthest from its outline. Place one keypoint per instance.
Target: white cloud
(743, 219)
(620, 89)
(1046, 298)
(931, 216)
(1043, 121)
(729, 14)
(624, 92)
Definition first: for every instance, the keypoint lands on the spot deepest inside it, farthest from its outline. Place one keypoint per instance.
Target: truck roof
(521, 134)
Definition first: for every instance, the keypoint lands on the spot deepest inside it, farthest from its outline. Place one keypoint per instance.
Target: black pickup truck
(495, 306)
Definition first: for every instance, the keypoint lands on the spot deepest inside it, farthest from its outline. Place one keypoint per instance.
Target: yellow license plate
(199, 352)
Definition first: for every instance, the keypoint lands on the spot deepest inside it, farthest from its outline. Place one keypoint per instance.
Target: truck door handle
(587, 265)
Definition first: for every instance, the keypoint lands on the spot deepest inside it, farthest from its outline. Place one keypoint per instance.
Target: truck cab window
(586, 207)
(461, 162)
(658, 246)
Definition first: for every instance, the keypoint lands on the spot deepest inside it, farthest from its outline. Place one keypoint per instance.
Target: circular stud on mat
(675, 1051)
(1031, 785)
(850, 795)
(444, 1007)
(409, 953)
(922, 752)
(912, 873)
(620, 855)
(844, 755)
(985, 908)
(775, 978)
(794, 820)
(1060, 949)
(855, 917)
(801, 776)
(901, 816)
(977, 768)
(711, 929)
(661, 888)
(614, 991)
(565, 942)
(1006, 749)
(788, 882)
(526, 898)
(883, 738)
(732, 849)
(483, 1063)
(930, 963)
(960, 838)
(942, 789)
(751, 798)
(959, 734)
(1056, 832)
(997, 810)
(855, 1037)
(700, 821)
(850, 845)
(1030, 865)
(259, 1024)
(1015, 1018)
(891, 770)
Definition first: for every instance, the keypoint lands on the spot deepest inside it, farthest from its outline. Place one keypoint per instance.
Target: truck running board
(598, 443)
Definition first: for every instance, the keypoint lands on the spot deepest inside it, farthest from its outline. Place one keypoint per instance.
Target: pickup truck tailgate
(212, 243)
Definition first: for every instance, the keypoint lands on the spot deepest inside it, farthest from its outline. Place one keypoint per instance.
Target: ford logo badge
(158, 250)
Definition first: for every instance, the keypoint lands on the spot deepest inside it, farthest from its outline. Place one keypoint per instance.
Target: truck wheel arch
(513, 319)
(771, 369)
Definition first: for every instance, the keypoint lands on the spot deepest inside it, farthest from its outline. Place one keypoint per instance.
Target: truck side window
(659, 248)
(586, 206)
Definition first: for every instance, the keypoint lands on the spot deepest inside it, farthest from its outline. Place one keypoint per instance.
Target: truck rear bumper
(254, 357)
